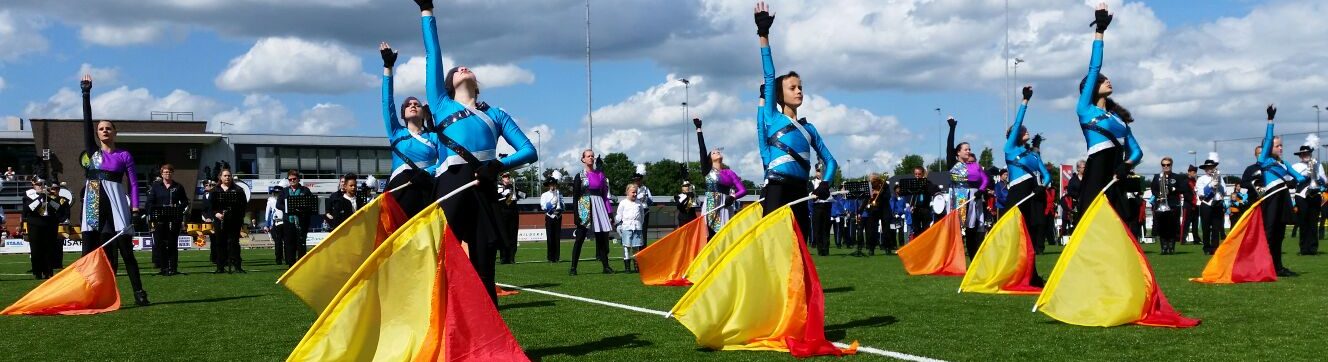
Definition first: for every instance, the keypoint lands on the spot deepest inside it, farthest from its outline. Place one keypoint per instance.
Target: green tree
(1055, 173)
(619, 169)
(985, 158)
(938, 165)
(664, 177)
(907, 164)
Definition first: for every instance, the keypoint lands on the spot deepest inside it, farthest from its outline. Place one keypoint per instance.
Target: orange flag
(1244, 256)
(85, 287)
(464, 324)
(937, 251)
(665, 262)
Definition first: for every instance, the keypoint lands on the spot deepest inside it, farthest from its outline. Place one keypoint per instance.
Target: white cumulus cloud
(122, 35)
(294, 65)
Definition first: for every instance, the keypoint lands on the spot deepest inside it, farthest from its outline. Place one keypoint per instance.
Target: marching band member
(1309, 197)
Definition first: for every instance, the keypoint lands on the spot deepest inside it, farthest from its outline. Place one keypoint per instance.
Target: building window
(267, 163)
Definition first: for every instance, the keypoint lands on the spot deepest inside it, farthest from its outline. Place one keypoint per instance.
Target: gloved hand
(85, 84)
(1101, 19)
(951, 121)
(1272, 111)
(763, 22)
(729, 200)
(822, 191)
(1123, 170)
(1037, 141)
(424, 4)
(389, 56)
(697, 122)
(1028, 92)
(489, 170)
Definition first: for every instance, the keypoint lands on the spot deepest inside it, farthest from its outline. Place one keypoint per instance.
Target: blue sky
(1192, 71)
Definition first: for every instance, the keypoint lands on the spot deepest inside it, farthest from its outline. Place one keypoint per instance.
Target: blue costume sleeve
(525, 151)
(1267, 146)
(433, 64)
(831, 166)
(1012, 146)
(762, 143)
(1090, 82)
(768, 71)
(389, 113)
(1046, 175)
(1132, 146)
(1300, 179)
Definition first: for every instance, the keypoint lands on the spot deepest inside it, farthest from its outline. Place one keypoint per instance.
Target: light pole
(686, 115)
(590, 116)
(1012, 88)
(1194, 157)
(1317, 129)
(940, 134)
(539, 148)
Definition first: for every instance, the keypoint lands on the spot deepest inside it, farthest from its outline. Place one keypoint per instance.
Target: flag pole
(108, 241)
(449, 195)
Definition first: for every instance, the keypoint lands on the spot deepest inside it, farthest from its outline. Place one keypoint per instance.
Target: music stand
(167, 214)
(229, 200)
(301, 204)
(912, 186)
(858, 189)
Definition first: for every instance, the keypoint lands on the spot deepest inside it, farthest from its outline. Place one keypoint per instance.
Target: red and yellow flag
(410, 300)
(1004, 262)
(763, 294)
(85, 287)
(665, 261)
(1102, 278)
(937, 251)
(1243, 257)
(317, 277)
(723, 240)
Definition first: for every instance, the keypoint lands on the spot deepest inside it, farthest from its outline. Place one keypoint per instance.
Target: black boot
(141, 298)
(627, 265)
(607, 269)
(220, 270)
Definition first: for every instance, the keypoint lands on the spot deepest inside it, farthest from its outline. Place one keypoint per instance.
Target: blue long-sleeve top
(468, 126)
(1275, 171)
(761, 142)
(899, 205)
(837, 206)
(421, 149)
(1093, 117)
(1023, 162)
(771, 123)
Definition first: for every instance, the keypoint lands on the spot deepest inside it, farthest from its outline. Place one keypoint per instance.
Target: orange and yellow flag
(85, 287)
(1004, 262)
(937, 251)
(763, 294)
(319, 275)
(665, 261)
(404, 303)
(1243, 257)
(723, 240)
(1102, 278)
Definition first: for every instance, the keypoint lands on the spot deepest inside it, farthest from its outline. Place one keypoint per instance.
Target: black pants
(645, 228)
(278, 234)
(781, 192)
(1276, 215)
(165, 245)
(472, 218)
(1190, 224)
(872, 234)
(415, 197)
(1310, 207)
(922, 218)
(1032, 210)
(601, 246)
(685, 217)
(508, 218)
(1098, 172)
(821, 227)
(553, 233)
(295, 234)
(43, 240)
(122, 246)
(1212, 224)
(227, 244)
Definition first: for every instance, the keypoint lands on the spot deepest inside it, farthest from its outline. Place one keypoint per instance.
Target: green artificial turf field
(246, 317)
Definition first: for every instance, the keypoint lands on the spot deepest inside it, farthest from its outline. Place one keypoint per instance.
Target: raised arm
(1268, 136)
(1012, 139)
(89, 143)
(1101, 19)
(433, 57)
(762, 132)
(950, 155)
(763, 21)
(524, 150)
(704, 161)
(389, 110)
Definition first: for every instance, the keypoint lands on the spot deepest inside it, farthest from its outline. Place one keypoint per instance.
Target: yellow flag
(1003, 264)
(383, 311)
(1102, 278)
(317, 277)
(723, 240)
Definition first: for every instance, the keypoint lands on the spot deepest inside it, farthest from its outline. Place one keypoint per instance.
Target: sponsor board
(530, 235)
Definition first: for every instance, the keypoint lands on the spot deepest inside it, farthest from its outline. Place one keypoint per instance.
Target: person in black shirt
(343, 203)
(1168, 188)
(166, 202)
(44, 209)
(297, 220)
(227, 207)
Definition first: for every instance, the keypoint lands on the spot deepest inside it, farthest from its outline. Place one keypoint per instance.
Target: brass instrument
(878, 188)
(1163, 201)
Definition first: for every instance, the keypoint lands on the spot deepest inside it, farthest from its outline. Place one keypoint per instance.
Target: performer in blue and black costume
(468, 132)
(1028, 176)
(1112, 149)
(414, 150)
(784, 140)
(1278, 181)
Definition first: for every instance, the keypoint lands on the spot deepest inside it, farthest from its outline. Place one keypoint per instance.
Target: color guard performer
(1112, 149)
(414, 149)
(1278, 180)
(592, 196)
(723, 187)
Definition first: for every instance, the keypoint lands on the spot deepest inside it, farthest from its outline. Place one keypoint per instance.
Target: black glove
(1028, 93)
(1272, 111)
(389, 57)
(85, 85)
(424, 4)
(1123, 170)
(599, 162)
(822, 191)
(1101, 20)
(489, 170)
(697, 122)
(729, 200)
(1037, 141)
(951, 121)
(427, 118)
(763, 22)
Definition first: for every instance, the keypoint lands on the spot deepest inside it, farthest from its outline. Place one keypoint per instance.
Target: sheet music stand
(228, 200)
(302, 204)
(912, 186)
(167, 214)
(858, 189)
